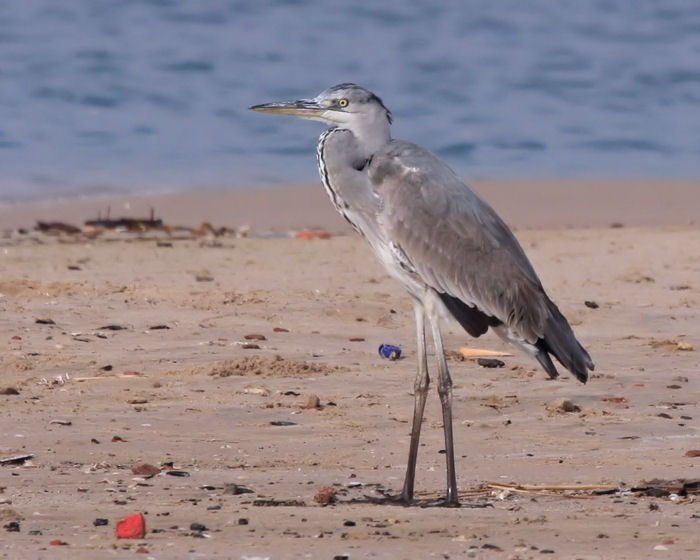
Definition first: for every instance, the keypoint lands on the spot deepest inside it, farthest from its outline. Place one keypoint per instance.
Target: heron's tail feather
(560, 341)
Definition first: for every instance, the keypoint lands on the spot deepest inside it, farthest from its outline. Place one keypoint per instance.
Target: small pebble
(563, 405)
(325, 495)
(490, 362)
(236, 489)
(145, 469)
(591, 304)
(255, 337)
(100, 521)
(198, 527)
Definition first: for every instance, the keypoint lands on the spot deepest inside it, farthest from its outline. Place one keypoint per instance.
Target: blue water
(115, 96)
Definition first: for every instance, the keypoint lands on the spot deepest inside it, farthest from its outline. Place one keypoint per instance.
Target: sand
(176, 387)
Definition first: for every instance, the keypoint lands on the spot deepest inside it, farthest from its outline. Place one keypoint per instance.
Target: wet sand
(176, 385)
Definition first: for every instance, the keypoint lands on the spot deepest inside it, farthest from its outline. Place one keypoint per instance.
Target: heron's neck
(370, 139)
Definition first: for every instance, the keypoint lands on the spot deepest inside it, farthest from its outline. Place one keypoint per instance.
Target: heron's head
(345, 105)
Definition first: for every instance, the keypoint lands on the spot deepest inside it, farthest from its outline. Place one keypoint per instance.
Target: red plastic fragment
(313, 234)
(132, 527)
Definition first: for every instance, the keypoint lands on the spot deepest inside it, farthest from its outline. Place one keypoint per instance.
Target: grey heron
(437, 237)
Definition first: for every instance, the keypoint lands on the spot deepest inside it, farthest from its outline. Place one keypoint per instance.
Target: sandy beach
(245, 368)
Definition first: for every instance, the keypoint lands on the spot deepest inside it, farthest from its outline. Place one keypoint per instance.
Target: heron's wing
(455, 241)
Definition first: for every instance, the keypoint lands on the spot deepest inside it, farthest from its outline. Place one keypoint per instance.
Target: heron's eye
(342, 103)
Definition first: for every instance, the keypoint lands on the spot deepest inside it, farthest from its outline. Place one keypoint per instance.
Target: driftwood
(130, 224)
(53, 228)
(96, 227)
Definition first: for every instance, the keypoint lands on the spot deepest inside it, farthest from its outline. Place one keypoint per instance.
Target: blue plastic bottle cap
(389, 351)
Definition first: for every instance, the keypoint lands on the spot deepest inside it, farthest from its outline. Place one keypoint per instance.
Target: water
(115, 96)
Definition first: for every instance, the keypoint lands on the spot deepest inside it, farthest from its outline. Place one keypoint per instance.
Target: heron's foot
(390, 499)
(402, 500)
(442, 502)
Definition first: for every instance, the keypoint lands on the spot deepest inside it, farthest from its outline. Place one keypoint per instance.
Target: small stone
(591, 304)
(236, 489)
(325, 495)
(243, 521)
(199, 527)
(100, 521)
(9, 391)
(12, 527)
(112, 328)
(563, 406)
(490, 362)
(255, 337)
(145, 469)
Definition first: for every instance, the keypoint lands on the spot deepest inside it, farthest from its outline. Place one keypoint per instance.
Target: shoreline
(523, 204)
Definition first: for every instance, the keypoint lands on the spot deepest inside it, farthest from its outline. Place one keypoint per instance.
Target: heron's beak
(305, 108)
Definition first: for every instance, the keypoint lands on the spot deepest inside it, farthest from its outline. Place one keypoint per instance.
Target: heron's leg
(445, 393)
(420, 388)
